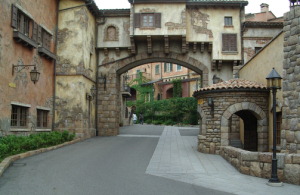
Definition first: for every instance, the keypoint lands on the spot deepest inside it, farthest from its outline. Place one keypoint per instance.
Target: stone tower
(291, 82)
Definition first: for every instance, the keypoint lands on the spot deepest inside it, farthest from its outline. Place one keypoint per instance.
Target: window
(44, 40)
(42, 118)
(24, 27)
(257, 49)
(19, 116)
(179, 68)
(168, 67)
(157, 69)
(228, 21)
(21, 21)
(147, 20)
(229, 42)
(278, 127)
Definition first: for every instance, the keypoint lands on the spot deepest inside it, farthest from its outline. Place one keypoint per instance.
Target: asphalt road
(101, 165)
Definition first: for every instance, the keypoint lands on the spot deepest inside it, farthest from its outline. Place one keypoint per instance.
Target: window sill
(43, 130)
(147, 28)
(17, 129)
(46, 53)
(231, 26)
(26, 41)
(230, 52)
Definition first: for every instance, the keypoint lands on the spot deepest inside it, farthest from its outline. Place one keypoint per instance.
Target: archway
(255, 125)
(108, 91)
(169, 93)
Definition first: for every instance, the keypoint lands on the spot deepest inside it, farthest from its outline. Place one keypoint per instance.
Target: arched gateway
(109, 84)
(189, 33)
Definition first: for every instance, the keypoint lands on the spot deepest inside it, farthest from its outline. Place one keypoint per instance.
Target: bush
(11, 145)
(169, 112)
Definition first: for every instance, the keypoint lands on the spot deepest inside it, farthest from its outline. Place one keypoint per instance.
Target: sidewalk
(176, 157)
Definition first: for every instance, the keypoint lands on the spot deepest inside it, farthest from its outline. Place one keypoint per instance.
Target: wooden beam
(167, 46)
(149, 44)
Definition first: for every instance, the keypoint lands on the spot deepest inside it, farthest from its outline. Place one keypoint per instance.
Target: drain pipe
(54, 69)
(97, 72)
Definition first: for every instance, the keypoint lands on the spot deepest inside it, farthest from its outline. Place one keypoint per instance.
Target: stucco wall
(259, 67)
(18, 87)
(76, 69)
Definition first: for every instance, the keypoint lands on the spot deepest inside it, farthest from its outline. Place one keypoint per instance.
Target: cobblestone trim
(9, 160)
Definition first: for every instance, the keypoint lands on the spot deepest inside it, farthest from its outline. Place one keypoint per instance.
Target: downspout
(242, 33)
(54, 69)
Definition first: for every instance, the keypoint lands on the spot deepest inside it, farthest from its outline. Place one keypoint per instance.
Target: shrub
(11, 145)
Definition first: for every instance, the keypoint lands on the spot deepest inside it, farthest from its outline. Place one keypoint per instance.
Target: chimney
(264, 7)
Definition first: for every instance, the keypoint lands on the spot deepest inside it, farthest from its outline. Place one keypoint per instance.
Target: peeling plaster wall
(172, 19)
(122, 25)
(76, 69)
(207, 25)
(18, 87)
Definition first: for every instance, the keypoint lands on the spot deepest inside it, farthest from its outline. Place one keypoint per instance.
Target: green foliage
(11, 145)
(177, 88)
(170, 111)
(144, 92)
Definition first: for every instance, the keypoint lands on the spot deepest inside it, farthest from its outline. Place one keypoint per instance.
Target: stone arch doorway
(109, 88)
(255, 126)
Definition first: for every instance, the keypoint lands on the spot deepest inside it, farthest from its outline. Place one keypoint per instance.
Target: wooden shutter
(22, 20)
(35, 31)
(137, 20)
(39, 35)
(165, 67)
(229, 42)
(14, 16)
(171, 67)
(157, 19)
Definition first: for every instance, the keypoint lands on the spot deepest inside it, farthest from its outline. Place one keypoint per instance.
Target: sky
(278, 7)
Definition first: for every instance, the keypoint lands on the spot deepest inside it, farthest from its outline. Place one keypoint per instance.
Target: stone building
(76, 70)
(27, 46)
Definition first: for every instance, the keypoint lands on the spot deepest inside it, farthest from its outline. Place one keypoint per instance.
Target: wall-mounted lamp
(93, 91)
(210, 102)
(90, 96)
(102, 80)
(34, 74)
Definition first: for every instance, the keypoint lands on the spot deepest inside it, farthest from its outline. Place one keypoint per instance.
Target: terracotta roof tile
(235, 84)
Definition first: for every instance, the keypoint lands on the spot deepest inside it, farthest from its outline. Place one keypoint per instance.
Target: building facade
(27, 48)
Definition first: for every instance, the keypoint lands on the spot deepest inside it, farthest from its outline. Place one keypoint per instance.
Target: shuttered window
(229, 42)
(168, 67)
(21, 22)
(152, 20)
(157, 69)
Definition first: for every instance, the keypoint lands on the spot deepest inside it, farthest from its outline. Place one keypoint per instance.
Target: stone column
(109, 106)
(290, 133)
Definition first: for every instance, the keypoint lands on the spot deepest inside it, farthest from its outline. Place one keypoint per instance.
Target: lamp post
(274, 83)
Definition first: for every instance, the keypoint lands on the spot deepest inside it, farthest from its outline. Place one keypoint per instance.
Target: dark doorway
(169, 93)
(250, 130)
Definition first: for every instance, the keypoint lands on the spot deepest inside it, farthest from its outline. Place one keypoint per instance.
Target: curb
(9, 160)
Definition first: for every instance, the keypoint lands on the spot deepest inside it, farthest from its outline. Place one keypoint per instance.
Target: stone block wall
(290, 133)
(259, 164)
(216, 125)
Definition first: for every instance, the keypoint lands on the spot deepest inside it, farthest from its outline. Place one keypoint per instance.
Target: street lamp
(274, 83)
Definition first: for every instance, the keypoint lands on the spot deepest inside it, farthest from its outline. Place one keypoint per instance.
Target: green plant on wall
(177, 88)
(144, 92)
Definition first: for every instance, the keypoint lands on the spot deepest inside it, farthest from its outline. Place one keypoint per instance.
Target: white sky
(278, 7)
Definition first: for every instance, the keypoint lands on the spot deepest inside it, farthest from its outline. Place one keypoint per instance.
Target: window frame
(228, 22)
(42, 118)
(168, 67)
(157, 72)
(139, 20)
(178, 69)
(19, 116)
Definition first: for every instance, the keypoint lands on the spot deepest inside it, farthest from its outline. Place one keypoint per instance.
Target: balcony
(46, 53)
(25, 40)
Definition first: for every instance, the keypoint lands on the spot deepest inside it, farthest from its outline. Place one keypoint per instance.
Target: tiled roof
(234, 84)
